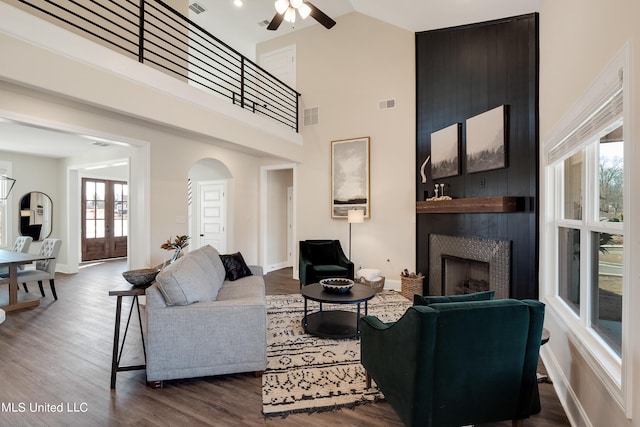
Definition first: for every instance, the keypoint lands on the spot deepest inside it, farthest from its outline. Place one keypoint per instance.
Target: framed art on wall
(445, 157)
(486, 141)
(350, 176)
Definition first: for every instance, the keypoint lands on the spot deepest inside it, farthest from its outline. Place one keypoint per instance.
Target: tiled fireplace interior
(465, 265)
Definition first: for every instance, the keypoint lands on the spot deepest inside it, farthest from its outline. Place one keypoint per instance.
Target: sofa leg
(517, 423)
(258, 374)
(155, 384)
(368, 379)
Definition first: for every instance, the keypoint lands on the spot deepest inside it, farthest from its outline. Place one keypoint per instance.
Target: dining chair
(22, 244)
(45, 269)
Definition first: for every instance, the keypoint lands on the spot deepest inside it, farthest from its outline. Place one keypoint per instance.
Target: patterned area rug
(307, 373)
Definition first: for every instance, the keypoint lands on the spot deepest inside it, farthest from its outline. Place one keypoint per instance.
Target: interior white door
(213, 218)
(281, 63)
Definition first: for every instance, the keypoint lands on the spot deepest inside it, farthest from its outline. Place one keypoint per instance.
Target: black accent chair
(322, 259)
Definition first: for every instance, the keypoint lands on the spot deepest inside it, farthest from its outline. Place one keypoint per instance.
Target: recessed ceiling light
(238, 3)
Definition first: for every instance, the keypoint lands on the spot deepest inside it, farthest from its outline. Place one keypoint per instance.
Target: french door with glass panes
(105, 217)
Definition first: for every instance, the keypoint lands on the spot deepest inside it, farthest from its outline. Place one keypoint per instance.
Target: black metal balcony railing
(156, 34)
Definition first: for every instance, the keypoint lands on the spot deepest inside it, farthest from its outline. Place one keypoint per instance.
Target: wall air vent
(197, 8)
(386, 104)
(311, 116)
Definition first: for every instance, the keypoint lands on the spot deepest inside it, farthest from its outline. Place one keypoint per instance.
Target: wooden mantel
(495, 204)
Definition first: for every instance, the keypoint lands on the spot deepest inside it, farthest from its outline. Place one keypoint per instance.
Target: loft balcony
(163, 68)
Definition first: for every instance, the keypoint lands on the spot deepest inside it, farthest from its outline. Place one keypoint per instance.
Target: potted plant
(178, 244)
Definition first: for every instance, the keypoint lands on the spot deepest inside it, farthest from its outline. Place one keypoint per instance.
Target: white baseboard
(568, 399)
(277, 266)
(393, 285)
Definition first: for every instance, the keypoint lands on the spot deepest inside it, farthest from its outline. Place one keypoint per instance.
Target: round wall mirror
(36, 215)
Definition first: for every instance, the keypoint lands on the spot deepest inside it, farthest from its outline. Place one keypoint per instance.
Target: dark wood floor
(58, 356)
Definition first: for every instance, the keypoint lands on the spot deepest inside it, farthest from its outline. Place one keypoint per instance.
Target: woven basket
(377, 285)
(409, 286)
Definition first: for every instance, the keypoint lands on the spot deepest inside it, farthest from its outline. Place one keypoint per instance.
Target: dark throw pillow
(433, 299)
(235, 266)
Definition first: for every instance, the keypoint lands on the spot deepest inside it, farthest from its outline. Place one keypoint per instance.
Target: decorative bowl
(337, 286)
(141, 277)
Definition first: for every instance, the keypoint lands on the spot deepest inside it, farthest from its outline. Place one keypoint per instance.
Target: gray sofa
(199, 324)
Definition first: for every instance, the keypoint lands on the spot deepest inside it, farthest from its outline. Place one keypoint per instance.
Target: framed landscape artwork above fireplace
(445, 147)
(486, 141)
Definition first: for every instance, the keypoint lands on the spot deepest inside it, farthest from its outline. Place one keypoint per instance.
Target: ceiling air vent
(196, 8)
(310, 116)
(386, 104)
(263, 23)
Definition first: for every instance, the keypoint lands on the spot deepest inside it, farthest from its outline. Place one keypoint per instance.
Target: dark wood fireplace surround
(461, 72)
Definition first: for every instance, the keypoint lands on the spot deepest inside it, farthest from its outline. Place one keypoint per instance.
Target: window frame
(614, 371)
(6, 207)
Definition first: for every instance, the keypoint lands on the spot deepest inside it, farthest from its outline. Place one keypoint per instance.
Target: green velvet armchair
(457, 363)
(322, 259)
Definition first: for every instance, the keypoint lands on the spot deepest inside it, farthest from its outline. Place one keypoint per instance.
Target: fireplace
(464, 276)
(459, 265)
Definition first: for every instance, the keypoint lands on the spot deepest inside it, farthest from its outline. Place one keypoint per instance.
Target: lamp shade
(355, 216)
(282, 6)
(290, 15)
(304, 11)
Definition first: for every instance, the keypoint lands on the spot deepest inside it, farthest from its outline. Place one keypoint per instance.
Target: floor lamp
(354, 216)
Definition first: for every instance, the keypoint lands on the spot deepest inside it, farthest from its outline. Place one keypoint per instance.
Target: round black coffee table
(335, 323)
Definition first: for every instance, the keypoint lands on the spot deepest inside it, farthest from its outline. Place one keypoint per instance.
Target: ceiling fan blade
(320, 16)
(275, 22)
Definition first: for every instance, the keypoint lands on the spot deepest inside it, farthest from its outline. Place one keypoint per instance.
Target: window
(590, 233)
(586, 248)
(593, 241)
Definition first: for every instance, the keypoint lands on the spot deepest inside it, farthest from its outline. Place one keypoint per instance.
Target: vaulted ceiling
(244, 27)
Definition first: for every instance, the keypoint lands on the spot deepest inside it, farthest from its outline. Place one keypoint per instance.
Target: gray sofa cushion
(197, 276)
(209, 260)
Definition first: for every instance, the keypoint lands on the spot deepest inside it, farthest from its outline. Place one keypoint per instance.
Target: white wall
(33, 173)
(578, 39)
(158, 179)
(345, 72)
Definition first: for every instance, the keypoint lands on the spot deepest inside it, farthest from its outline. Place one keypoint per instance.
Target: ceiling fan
(286, 11)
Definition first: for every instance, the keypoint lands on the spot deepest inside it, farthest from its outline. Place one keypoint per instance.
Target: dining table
(12, 260)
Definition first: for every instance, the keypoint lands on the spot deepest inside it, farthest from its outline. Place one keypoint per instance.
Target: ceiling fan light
(304, 11)
(295, 3)
(290, 15)
(282, 6)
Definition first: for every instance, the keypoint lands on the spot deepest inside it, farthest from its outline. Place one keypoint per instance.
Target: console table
(127, 290)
